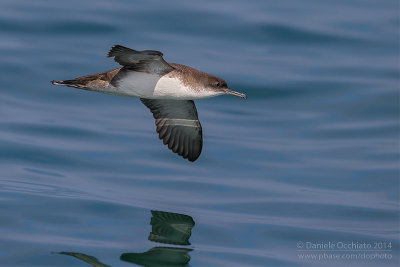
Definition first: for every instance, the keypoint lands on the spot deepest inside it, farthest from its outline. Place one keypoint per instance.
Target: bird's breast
(144, 85)
(171, 87)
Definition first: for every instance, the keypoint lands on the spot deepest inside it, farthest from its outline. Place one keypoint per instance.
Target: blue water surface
(312, 157)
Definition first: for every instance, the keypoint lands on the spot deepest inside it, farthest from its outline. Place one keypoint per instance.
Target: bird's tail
(72, 83)
(88, 82)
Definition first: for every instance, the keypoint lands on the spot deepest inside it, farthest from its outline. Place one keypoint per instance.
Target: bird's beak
(231, 92)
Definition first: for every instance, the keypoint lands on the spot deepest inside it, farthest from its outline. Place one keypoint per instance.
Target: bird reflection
(171, 228)
(167, 228)
(86, 258)
(159, 256)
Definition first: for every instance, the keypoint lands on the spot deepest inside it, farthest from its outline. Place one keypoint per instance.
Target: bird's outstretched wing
(149, 61)
(177, 125)
(86, 258)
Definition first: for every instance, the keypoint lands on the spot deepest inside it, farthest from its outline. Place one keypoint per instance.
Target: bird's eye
(217, 84)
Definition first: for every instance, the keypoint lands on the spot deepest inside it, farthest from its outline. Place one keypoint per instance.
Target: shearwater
(167, 89)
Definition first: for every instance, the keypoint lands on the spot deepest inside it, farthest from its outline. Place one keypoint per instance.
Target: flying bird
(167, 89)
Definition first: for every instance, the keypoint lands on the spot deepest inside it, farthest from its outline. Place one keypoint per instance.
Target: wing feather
(177, 125)
(149, 61)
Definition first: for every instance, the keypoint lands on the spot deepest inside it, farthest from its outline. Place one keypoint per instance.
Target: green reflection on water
(168, 228)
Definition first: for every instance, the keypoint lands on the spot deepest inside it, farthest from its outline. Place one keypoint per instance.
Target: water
(310, 158)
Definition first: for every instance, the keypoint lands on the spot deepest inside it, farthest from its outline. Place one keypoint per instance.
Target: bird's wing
(177, 125)
(86, 258)
(171, 228)
(149, 61)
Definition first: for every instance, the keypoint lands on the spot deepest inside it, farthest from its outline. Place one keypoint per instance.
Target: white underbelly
(144, 85)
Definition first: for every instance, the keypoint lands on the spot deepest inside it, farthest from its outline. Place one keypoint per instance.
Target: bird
(167, 89)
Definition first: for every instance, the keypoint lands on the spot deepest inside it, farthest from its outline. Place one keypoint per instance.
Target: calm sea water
(311, 159)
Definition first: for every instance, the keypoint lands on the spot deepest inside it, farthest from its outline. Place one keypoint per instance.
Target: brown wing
(177, 125)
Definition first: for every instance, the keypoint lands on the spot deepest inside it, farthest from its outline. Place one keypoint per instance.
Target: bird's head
(220, 85)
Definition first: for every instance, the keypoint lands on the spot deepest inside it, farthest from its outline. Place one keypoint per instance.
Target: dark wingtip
(195, 154)
(115, 50)
(118, 50)
(192, 159)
